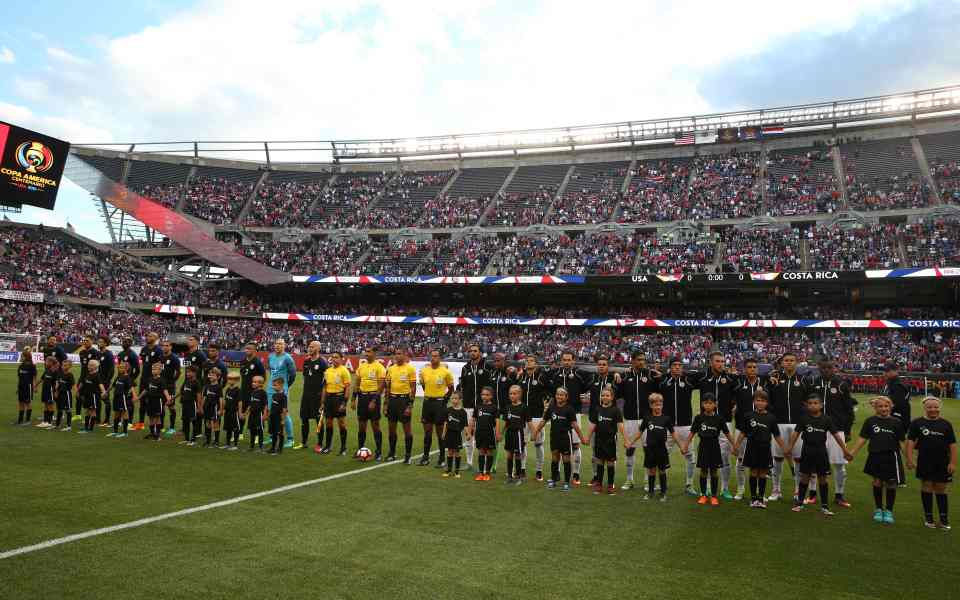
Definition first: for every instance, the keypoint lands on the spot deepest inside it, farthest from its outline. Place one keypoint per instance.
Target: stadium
(808, 251)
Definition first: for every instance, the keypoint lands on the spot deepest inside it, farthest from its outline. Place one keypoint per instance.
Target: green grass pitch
(405, 532)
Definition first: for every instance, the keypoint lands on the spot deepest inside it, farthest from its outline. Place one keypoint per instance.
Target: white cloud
(61, 55)
(65, 128)
(7, 56)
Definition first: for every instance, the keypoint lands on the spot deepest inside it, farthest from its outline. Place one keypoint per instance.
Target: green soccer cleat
(888, 517)
(726, 495)
(878, 516)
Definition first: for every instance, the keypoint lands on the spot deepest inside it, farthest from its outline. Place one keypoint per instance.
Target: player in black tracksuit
(599, 380)
(885, 433)
(154, 396)
(788, 394)
(532, 381)
(170, 375)
(677, 392)
(212, 406)
(149, 354)
(838, 404)
(252, 367)
(563, 423)
(750, 383)
(899, 393)
(936, 442)
(636, 385)
(190, 391)
(515, 418)
(814, 428)
(577, 382)
(486, 431)
(606, 424)
(108, 367)
(86, 352)
(758, 429)
(723, 385)
(90, 391)
(474, 376)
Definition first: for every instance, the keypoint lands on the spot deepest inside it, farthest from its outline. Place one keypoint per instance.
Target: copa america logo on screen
(34, 157)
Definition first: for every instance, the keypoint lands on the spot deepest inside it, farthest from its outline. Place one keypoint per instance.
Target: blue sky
(148, 71)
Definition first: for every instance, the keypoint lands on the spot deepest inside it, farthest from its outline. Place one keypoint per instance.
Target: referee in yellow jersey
(371, 376)
(336, 390)
(437, 382)
(402, 386)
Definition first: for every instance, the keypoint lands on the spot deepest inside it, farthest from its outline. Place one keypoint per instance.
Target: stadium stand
(328, 256)
(346, 201)
(883, 174)
(724, 187)
(658, 192)
(285, 199)
(464, 256)
(217, 194)
(943, 158)
(870, 247)
(403, 200)
(528, 196)
(801, 182)
(592, 194)
(932, 244)
(761, 250)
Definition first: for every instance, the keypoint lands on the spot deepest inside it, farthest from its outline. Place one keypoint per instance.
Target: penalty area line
(75, 537)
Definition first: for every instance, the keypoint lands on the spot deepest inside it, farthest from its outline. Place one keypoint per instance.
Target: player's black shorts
(122, 403)
(368, 406)
(64, 401)
(486, 439)
(434, 410)
(757, 456)
(210, 410)
(513, 440)
(91, 401)
(24, 394)
(654, 457)
(885, 466)
(188, 410)
(708, 454)
(335, 406)
(309, 406)
(814, 461)
(561, 441)
(231, 420)
(933, 467)
(396, 405)
(453, 439)
(604, 447)
(154, 406)
(276, 422)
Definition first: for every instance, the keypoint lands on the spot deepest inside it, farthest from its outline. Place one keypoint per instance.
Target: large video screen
(31, 165)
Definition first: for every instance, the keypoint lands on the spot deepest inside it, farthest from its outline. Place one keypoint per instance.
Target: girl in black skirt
(759, 431)
(885, 434)
(709, 425)
(936, 442)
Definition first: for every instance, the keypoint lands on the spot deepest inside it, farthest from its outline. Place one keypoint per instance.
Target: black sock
(408, 444)
(273, 442)
(942, 506)
(173, 418)
(878, 497)
(116, 424)
(280, 442)
(566, 471)
(320, 430)
(362, 438)
(450, 464)
(441, 448)
(762, 488)
(378, 440)
(611, 474)
(456, 463)
(703, 485)
(59, 417)
(824, 488)
(427, 442)
(714, 485)
(69, 418)
(753, 487)
(802, 493)
(243, 423)
(216, 437)
(329, 436)
(253, 436)
(343, 438)
(393, 444)
(891, 497)
(126, 423)
(20, 416)
(509, 468)
(663, 483)
(106, 412)
(481, 461)
(554, 470)
(29, 415)
(651, 483)
(517, 466)
(304, 431)
(206, 435)
(186, 430)
(598, 472)
(926, 498)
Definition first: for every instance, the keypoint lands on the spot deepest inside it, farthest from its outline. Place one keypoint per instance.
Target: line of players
(540, 392)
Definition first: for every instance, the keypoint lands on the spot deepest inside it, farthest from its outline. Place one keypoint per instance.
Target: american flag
(684, 138)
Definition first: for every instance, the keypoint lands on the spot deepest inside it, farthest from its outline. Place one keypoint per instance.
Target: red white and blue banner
(687, 278)
(639, 323)
(174, 309)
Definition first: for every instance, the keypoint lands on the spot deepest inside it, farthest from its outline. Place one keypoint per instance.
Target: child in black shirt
(231, 411)
(256, 411)
(486, 432)
(212, 400)
(936, 442)
(758, 431)
(709, 425)
(155, 394)
(515, 419)
(91, 390)
(606, 420)
(26, 385)
(455, 428)
(885, 433)
(190, 391)
(48, 385)
(64, 391)
(656, 457)
(122, 400)
(563, 423)
(278, 412)
(813, 428)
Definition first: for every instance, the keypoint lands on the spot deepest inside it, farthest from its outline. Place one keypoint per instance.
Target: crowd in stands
(585, 208)
(344, 203)
(283, 204)
(947, 175)
(806, 184)
(934, 243)
(761, 250)
(724, 187)
(466, 256)
(603, 254)
(521, 209)
(216, 199)
(915, 350)
(444, 212)
(166, 194)
(867, 247)
(904, 191)
(533, 255)
(657, 190)
(660, 257)
(327, 256)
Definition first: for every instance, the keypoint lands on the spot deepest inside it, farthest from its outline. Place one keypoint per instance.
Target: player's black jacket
(86, 355)
(787, 397)
(722, 385)
(535, 390)
(677, 393)
(635, 389)
(248, 370)
(576, 381)
(171, 369)
(130, 357)
(473, 378)
(108, 367)
(597, 383)
(502, 380)
(313, 371)
(148, 356)
(899, 393)
(744, 394)
(195, 359)
(838, 403)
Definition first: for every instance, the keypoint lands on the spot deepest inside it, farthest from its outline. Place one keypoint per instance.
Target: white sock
(777, 474)
(688, 457)
(724, 477)
(840, 477)
(539, 451)
(470, 446)
(630, 461)
(741, 478)
(577, 458)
